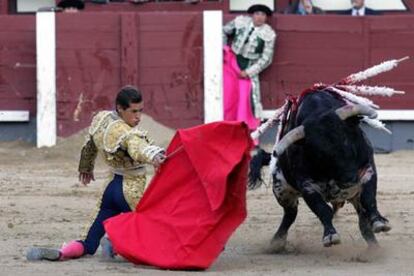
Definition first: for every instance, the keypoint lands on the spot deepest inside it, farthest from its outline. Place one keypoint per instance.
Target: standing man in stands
(303, 7)
(359, 9)
(71, 5)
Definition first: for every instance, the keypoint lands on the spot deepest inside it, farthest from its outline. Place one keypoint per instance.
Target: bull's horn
(351, 110)
(290, 138)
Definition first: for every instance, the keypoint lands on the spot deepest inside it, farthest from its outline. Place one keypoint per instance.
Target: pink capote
(237, 98)
(194, 202)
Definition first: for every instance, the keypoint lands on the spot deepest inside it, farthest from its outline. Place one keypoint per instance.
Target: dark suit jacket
(368, 11)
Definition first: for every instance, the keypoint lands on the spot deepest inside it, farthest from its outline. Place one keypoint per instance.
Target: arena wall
(160, 53)
(18, 74)
(98, 52)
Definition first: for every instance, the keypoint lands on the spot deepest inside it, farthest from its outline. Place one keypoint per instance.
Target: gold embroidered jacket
(124, 149)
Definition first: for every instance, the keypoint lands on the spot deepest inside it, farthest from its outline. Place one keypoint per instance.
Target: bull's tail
(259, 160)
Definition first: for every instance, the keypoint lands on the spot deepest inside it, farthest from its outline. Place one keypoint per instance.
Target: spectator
(71, 5)
(185, 1)
(359, 9)
(138, 1)
(303, 7)
(101, 1)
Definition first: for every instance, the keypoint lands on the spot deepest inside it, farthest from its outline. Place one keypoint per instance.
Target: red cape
(193, 204)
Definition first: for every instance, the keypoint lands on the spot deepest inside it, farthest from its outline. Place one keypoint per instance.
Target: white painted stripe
(46, 79)
(14, 116)
(396, 115)
(384, 115)
(213, 65)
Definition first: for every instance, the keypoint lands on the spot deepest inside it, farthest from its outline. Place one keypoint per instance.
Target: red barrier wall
(18, 63)
(100, 52)
(328, 48)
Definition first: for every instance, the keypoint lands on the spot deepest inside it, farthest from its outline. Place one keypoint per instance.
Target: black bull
(324, 156)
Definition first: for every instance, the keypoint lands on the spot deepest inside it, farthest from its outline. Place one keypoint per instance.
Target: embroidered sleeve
(88, 155)
(228, 30)
(140, 148)
(264, 60)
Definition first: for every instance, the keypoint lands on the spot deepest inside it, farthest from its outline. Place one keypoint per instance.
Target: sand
(42, 204)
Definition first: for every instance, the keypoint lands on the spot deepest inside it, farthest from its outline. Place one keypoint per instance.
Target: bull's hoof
(277, 245)
(381, 226)
(331, 239)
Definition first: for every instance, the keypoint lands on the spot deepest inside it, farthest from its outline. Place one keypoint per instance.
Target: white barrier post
(46, 79)
(213, 65)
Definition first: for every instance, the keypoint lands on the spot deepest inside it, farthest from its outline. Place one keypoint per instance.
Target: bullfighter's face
(259, 18)
(132, 114)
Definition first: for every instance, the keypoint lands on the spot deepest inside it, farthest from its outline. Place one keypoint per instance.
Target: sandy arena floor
(41, 203)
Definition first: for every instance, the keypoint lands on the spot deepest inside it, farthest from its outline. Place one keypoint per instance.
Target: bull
(323, 156)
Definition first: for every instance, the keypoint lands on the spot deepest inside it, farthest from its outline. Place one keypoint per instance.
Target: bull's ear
(347, 111)
(291, 137)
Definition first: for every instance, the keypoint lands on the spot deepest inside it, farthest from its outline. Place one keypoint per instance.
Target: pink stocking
(72, 250)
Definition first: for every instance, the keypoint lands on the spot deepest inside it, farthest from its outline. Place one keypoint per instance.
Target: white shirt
(358, 12)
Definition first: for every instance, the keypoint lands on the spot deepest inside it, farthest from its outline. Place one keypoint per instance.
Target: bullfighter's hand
(243, 74)
(86, 177)
(158, 160)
